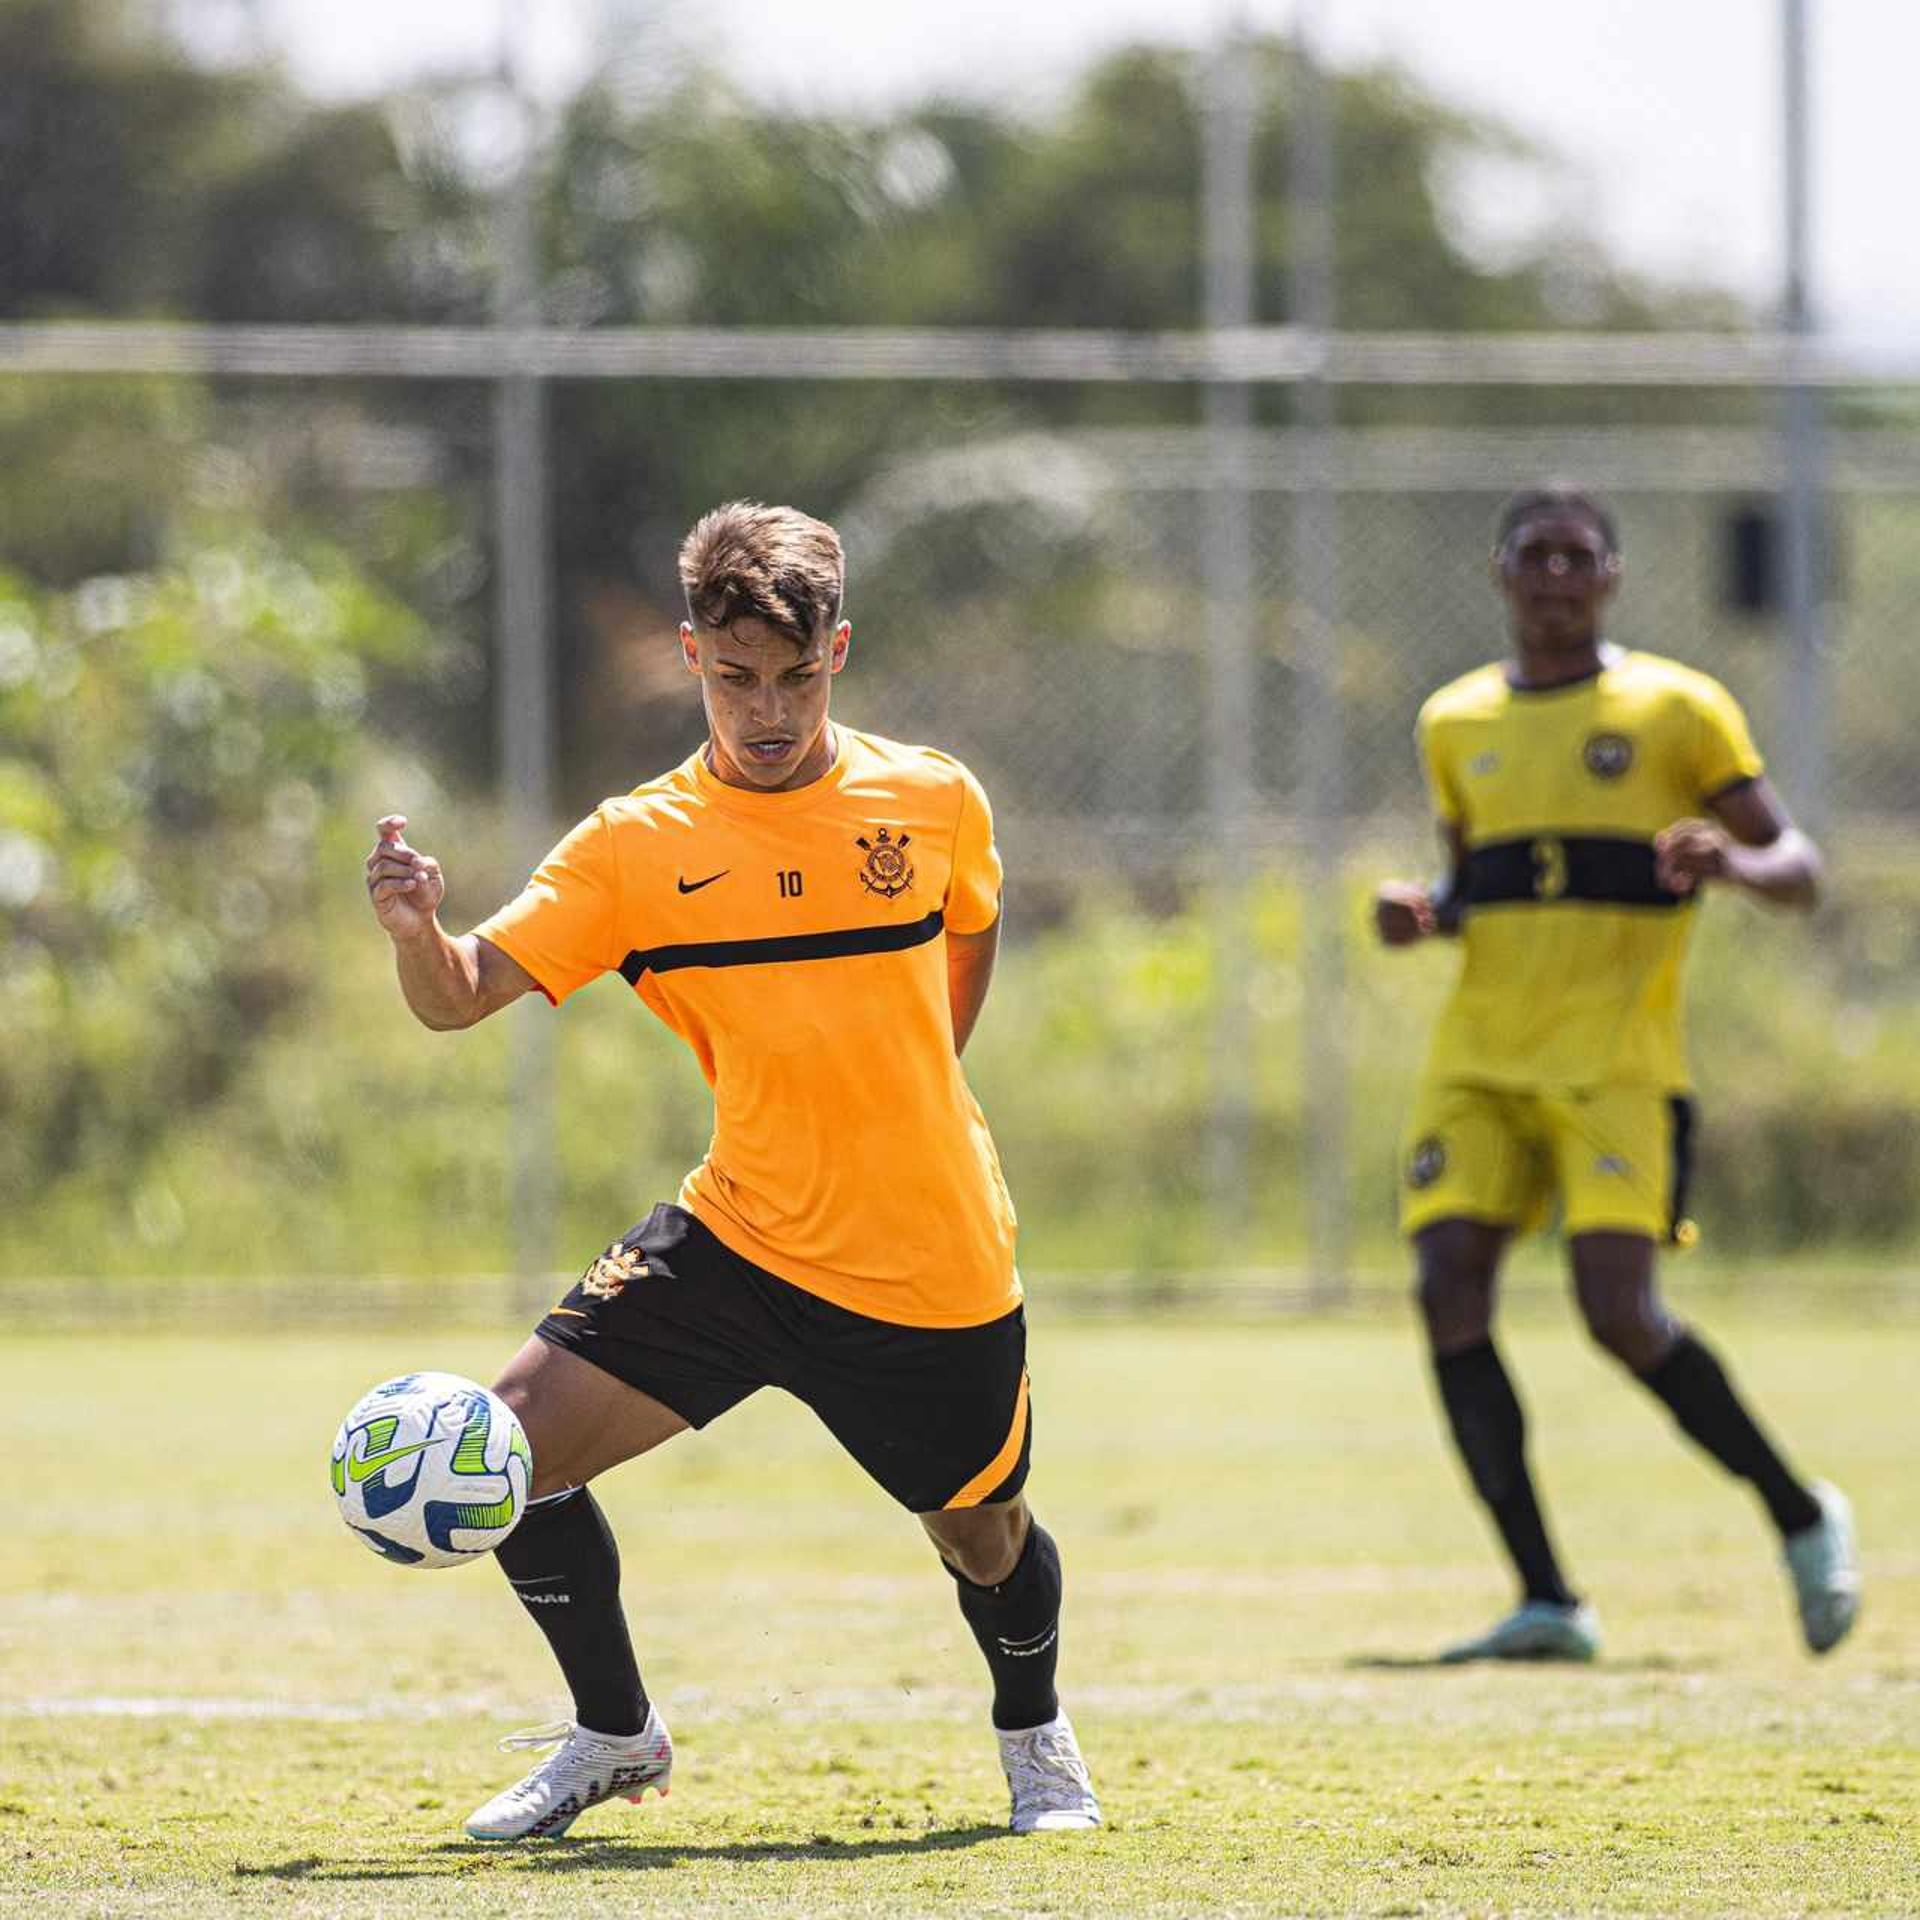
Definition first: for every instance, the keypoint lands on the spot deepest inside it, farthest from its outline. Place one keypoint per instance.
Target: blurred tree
(176, 713)
(170, 745)
(93, 472)
(140, 183)
(101, 129)
(703, 208)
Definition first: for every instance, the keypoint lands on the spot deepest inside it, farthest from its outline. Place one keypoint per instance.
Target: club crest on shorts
(1427, 1162)
(609, 1275)
(887, 870)
(1608, 755)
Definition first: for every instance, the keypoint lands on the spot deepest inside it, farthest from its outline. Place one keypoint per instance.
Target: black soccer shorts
(938, 1415)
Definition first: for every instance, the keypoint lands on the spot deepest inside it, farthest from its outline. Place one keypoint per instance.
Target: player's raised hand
(1689, 852)
(405, 886)
(1403, 913)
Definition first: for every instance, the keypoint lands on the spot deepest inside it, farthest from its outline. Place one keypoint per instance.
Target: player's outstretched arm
(448, 983)
(1751, 842)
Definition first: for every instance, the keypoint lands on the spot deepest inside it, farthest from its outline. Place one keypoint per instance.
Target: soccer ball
(431, 1470)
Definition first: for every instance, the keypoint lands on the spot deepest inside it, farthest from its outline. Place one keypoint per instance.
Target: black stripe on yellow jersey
(1584, 867)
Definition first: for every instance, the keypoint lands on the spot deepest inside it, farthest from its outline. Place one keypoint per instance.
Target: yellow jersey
(796, 942)
(1572, 952)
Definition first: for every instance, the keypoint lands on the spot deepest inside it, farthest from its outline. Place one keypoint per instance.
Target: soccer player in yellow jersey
(815, 912)
(1586, 795)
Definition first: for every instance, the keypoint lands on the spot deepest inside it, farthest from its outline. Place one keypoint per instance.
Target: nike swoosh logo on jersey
(694, 886)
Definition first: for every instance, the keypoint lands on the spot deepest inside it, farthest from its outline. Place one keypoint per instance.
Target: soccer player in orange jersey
(815, 912)
(1586, 796)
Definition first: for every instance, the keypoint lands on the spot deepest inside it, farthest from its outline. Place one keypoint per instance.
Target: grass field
(212, 1701)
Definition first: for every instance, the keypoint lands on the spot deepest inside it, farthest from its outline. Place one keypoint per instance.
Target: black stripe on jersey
(783, 948)
(1547, 867)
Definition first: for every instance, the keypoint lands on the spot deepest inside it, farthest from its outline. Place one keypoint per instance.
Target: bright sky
(1663, 114)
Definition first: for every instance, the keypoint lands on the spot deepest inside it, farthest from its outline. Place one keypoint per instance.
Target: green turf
(213, 1701)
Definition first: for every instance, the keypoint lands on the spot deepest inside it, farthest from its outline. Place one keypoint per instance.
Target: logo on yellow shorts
(1427, 1162)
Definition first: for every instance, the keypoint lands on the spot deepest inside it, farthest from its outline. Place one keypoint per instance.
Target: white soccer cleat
(1824, 1563)
(587, 1768)
(1534, 1630)
(1048, 1779)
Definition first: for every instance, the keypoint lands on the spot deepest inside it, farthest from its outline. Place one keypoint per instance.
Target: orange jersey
(796, 942)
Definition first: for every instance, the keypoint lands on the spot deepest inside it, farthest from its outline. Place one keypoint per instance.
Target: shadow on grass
(599, 1856)
(1430, 1662)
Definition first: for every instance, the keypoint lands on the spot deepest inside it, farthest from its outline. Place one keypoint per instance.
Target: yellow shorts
(1614, 1158)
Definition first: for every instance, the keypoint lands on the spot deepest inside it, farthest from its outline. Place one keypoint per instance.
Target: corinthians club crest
(887, 870)
(609, 1275)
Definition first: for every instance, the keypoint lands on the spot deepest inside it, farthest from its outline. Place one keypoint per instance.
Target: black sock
(1017, 1625)
(1491, 1432)
(1701, 1398)
(564, 1565)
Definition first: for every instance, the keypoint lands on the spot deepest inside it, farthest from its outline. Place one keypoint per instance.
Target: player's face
(1557, 573)
(766, 701)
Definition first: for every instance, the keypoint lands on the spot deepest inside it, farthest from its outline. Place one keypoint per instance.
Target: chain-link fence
(1093, 716)
(1040, 595)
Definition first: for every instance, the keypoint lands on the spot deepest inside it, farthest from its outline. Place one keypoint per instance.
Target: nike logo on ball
(368, 1464)
(694, 886)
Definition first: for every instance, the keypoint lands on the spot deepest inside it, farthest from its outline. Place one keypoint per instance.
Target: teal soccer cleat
(1534, 1630)
(1823, 1561)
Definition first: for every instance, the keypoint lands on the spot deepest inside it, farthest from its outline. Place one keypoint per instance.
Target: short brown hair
(746, 561)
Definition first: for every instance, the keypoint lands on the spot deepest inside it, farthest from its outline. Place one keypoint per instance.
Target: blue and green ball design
(431, 1470)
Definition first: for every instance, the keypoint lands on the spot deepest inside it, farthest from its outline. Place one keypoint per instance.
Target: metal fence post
(1227, 546)
(1316, 592)
(524, 685)
(1803, 556)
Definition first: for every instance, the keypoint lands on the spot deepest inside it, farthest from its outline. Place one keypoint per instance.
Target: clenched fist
(1403, 913)
(1691, 851)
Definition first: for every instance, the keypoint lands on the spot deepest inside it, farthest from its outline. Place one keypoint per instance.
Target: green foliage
(146, 183)
(143, 185)
(700, 207)
(140, 183)
(180, 858)
(169, 745)
(1094, 1058)
(1808, 1039)
(1093, 1063)
(103, 132)
(94, 474)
